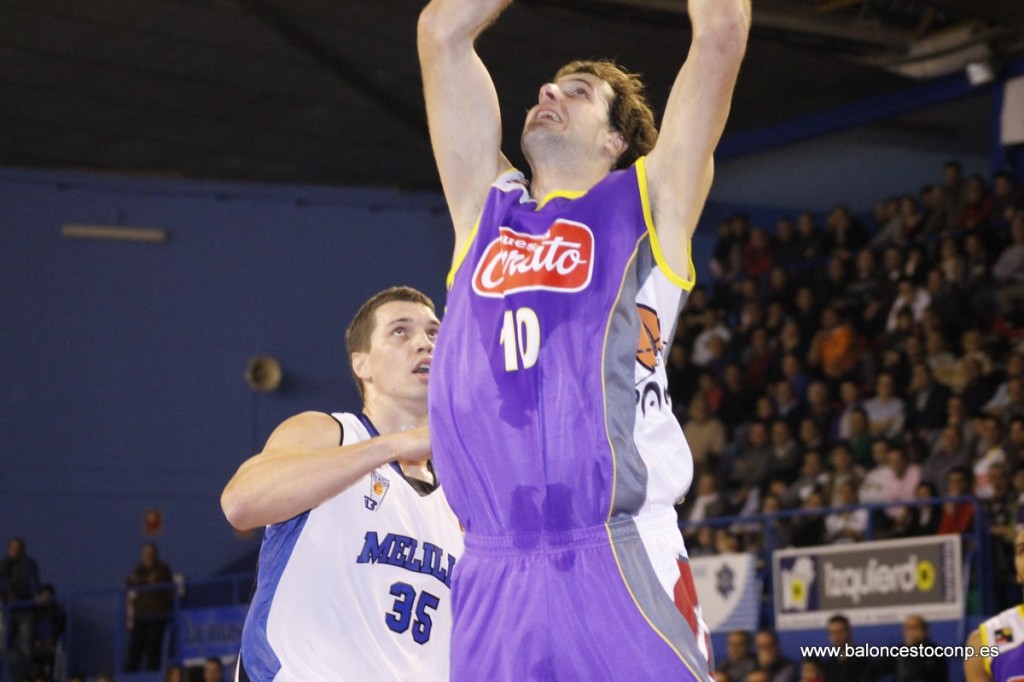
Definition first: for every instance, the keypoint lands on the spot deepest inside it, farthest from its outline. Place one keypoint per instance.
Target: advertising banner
(210, 632)
(729, 591)
(869, 582)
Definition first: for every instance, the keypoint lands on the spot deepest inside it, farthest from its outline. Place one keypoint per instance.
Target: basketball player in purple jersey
(1003, 632)
(549, 417)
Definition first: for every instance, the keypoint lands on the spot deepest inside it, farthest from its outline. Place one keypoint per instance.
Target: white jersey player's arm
(462, 105)
(302, 465)
(680, 167)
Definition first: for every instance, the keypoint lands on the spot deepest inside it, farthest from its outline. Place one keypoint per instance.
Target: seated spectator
(778, 289)
(902, 484)
(819, 406)
(924, 519)
(940, 361)
(843, 668)
(957, 517)
(947, 453)
(811, 670)
(805, 312)
(213, 670)
(849, 400)
(705, 435)
(833, 287)
(787, 405)
(886, 411)
(848, 525)
(976, 212)
(727, 542)
(757, 359)
(844, 235)
(1008, 400)
(991, 453)
(701, 542)
(753, 458)
(911, 219)
(683, 379)
(896, 338)
(958, 417)
(888, 223)
(787, 247)
(790, 339)
(843, 469)
(737, 399)
(770, 660)
(709, 502)
(951, 263)
(948, 301)
(772, 534)
(918, 668)
(926, 402)
(812, 477)
(757, 254)
(1011, 406)
(977, 263)
(860, 437)
(808, 529)
(1014, 446)
(911, 296)
(739, 658)
(810, 436)
(834, 349)
(810, 238)
(786, 452)
(977, 388)
(1006, 198)
(48, 625)
(1008, 270)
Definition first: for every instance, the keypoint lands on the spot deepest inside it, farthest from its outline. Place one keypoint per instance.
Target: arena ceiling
(328, 91)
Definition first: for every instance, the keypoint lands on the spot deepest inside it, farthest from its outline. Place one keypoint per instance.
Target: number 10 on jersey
(520, 337)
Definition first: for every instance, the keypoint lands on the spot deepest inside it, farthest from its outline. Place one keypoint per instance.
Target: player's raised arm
(680, 166)
(462, 105)
(302, 465)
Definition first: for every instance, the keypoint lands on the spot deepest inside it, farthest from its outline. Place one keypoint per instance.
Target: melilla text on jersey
(408, 553)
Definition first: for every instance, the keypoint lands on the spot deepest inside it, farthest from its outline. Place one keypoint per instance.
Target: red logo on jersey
(562, 259)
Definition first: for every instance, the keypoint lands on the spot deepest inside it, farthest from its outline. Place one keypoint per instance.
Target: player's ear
(616, 145)
(360, 365)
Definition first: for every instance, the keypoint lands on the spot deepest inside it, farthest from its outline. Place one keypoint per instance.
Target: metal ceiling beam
(411, 117)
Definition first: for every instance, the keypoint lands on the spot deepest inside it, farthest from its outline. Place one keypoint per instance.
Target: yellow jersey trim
(559, 193)
(461, 256)
(659, 257)
(450, 279)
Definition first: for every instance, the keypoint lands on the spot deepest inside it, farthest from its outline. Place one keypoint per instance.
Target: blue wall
(121, 386)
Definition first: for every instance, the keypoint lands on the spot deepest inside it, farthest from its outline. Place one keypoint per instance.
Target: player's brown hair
(629, 112)
(357, 336)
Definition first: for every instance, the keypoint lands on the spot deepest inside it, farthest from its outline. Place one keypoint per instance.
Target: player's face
(573, 109)
(397, 365)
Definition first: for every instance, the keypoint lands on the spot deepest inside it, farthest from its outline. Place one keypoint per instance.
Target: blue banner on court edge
(210, 632)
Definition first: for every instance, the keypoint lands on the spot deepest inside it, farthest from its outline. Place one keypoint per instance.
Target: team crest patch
(378, 489)
(1004, 636)
(649, 347)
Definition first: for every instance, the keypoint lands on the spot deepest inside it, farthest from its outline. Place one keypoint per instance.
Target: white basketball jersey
(358, 588)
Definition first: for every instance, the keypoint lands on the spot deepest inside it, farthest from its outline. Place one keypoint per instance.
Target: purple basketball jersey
(552, 431)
